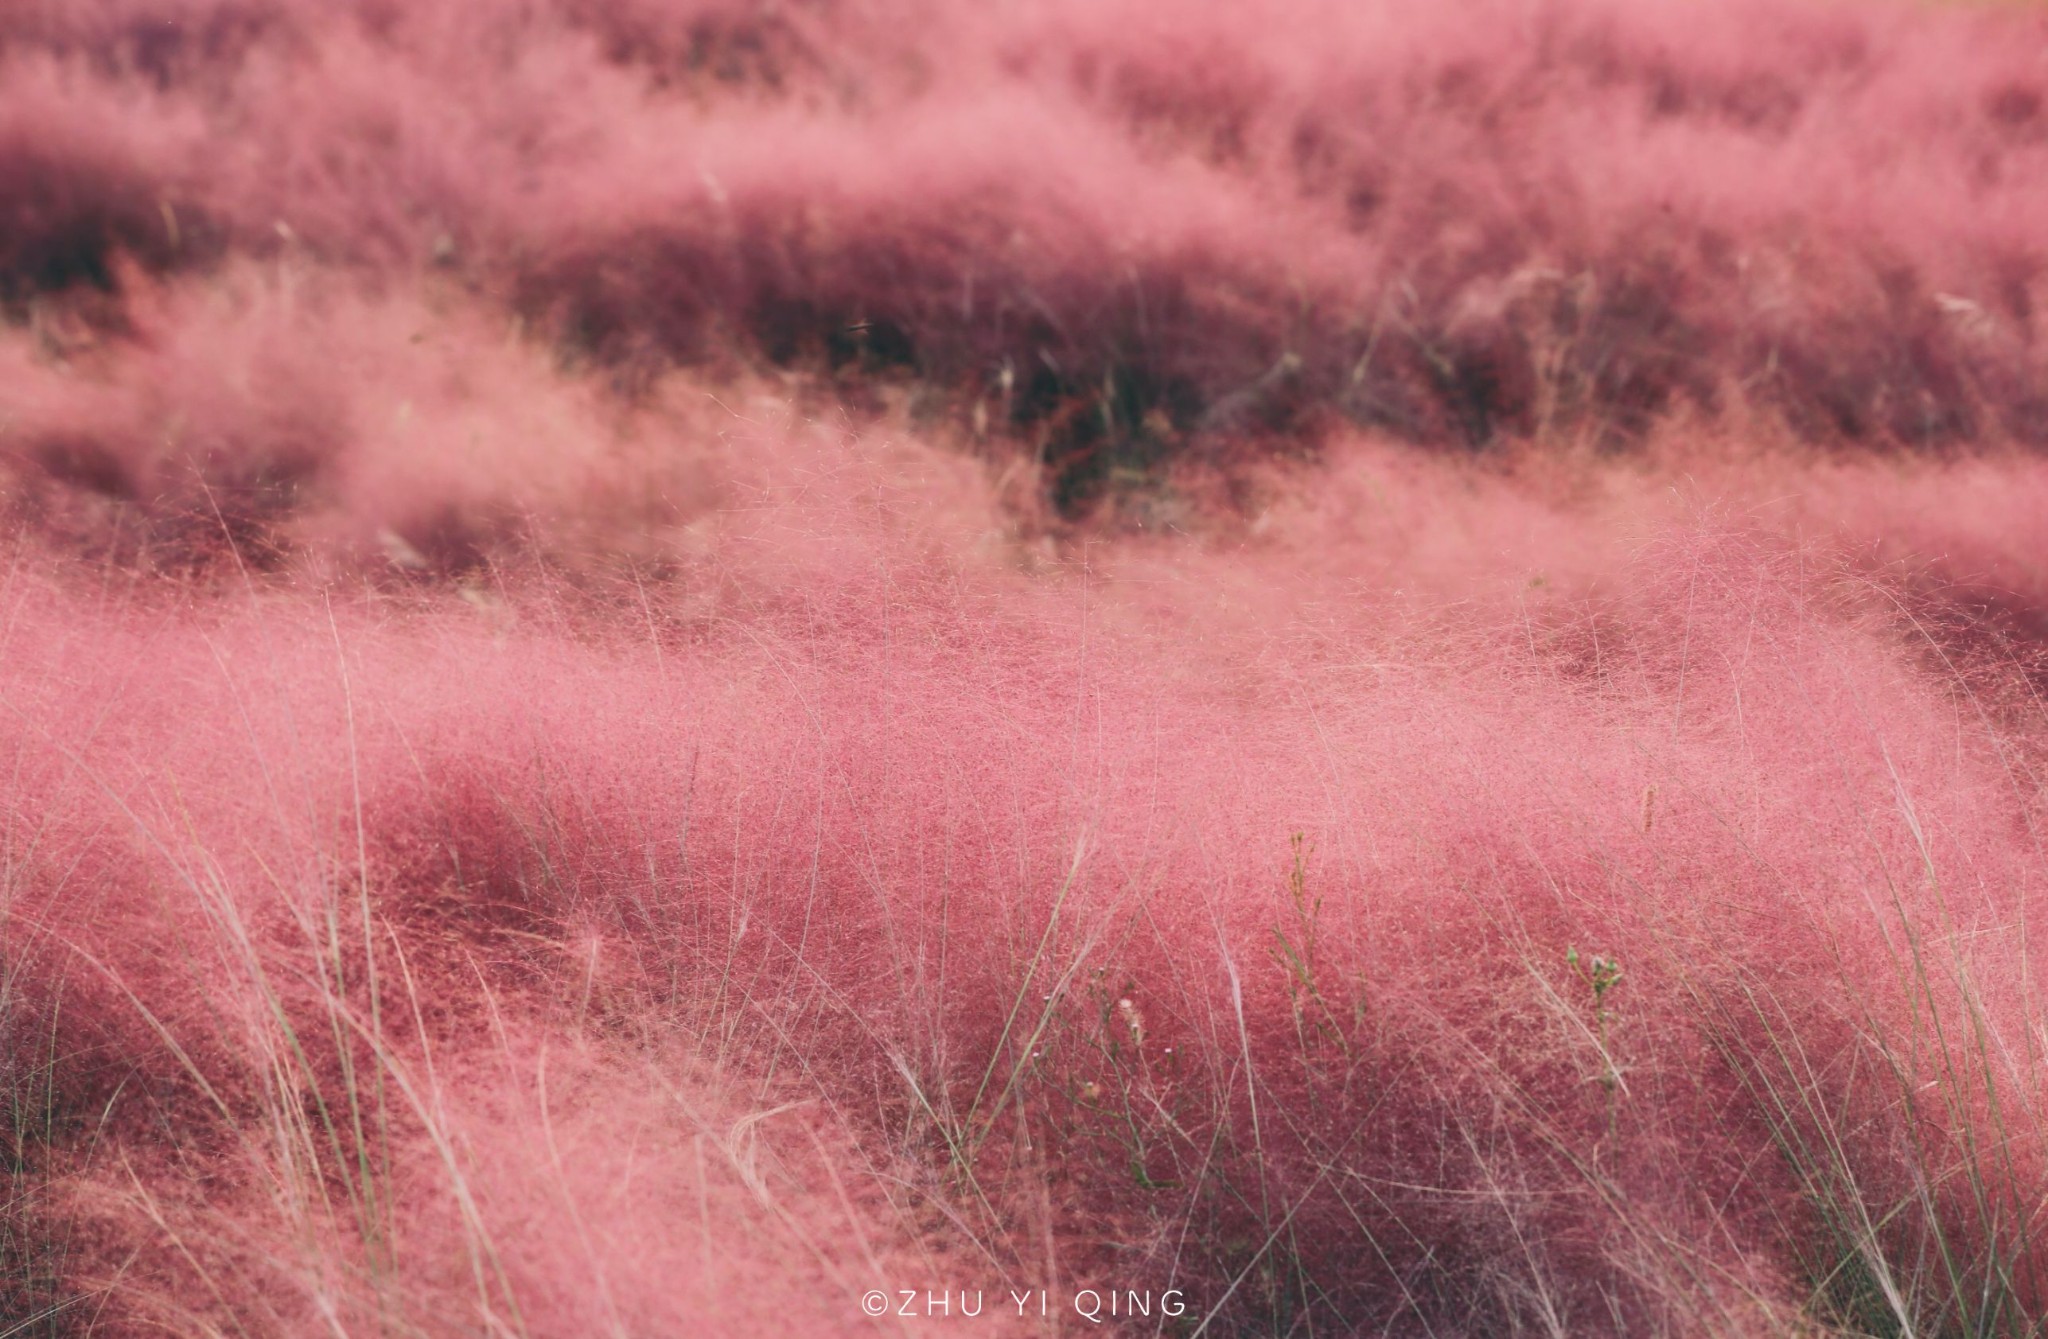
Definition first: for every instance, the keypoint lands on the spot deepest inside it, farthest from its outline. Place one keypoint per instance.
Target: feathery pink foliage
(661, 662)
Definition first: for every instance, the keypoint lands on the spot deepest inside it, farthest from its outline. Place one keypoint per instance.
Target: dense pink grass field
(1261, 668)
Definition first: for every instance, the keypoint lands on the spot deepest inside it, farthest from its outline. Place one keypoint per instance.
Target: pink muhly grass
(664, 662)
